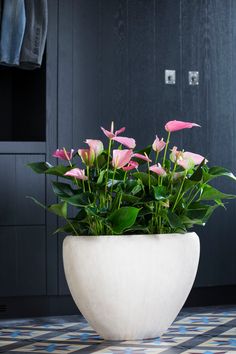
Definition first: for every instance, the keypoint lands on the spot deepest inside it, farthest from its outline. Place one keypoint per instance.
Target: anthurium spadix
(119, 192)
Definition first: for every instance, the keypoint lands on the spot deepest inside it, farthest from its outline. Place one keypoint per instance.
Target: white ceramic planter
(130, 287)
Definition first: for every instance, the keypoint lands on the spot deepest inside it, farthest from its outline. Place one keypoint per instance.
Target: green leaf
(174, 220)
(200, 211)
(129, 198)
(160, 192)
(190, 222)
(37, 202)
(211, 193)
(102, 159)
(59, 209)
(197, 175)
(81, 199)
(138, 188)
(59, 170)
(101, 175)
(123, 219)
(62, 189)
(144, 177)
(217, 171)
(39, 167)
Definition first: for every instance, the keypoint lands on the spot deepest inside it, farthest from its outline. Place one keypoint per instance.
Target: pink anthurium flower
(130, 143)
(175, 154)
(121, 158)
(142, 157)
(186, 159)
(131, 166)
(76, 173)
(87, 156)
(189, 160)
(197, 159)
(96, 146)
(158, 145)
(158, 169)
(175, 125)
(63, 154)
(110, 134)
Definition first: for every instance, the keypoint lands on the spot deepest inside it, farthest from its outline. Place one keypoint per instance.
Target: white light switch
(193, 78)
(170, 77)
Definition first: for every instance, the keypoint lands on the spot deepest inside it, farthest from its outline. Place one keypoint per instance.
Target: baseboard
(25, 306)
(28, 306)
(212, 296)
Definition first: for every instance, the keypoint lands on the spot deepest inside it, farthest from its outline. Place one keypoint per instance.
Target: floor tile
(200, 330)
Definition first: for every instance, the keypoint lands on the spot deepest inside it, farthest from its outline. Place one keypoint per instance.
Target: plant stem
(157, 154)
(89, 188)
(113, 177)
(149, 177)
(180, 190)
(97, 166)
(120, 199)
(71, 225)
(172, 175)
(108, 161)
(165, 151)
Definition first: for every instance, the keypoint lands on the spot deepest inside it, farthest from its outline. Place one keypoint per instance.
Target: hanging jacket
(12, 31)
(35, 34)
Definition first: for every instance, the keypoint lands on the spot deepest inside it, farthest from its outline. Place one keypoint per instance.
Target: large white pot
(131, 287)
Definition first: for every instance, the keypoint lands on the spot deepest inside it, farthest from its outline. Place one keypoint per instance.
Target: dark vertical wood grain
(233, 126)
(168, 57)
(194, 56)
(141, 70)
(51, 143)
(218, 243)
(17, 182)
(86, 82)
(22, 261)
(7, 179)
(65, 101)
(114, 73)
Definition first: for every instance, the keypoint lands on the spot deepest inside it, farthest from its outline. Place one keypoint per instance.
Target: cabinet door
(22, 260)
(18, 181)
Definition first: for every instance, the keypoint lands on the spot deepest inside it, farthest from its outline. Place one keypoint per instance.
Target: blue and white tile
(190, 330)
(220, 341)
(77, 336)
(20, 333)
(204, 320)
(44, 347)
(129, 350)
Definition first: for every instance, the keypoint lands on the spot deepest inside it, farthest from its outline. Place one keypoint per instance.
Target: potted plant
(130, 261)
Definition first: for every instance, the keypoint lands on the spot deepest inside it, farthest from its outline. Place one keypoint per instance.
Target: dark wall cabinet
(105, 60)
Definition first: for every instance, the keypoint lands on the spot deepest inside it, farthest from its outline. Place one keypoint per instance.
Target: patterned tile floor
(199, 330)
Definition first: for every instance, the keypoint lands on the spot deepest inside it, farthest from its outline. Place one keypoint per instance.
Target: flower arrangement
(123, 191)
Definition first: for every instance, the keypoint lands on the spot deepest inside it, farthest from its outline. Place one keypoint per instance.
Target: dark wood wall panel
(218, 243)
(114, 74)
(113, 55)
(141, 75)
(52, 143)
(19, 181)
(194, 57)
(22, 261)
(86, 70)
(167, 53)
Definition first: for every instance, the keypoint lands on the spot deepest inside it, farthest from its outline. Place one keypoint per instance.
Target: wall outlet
(170, 77)
(193, 78)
